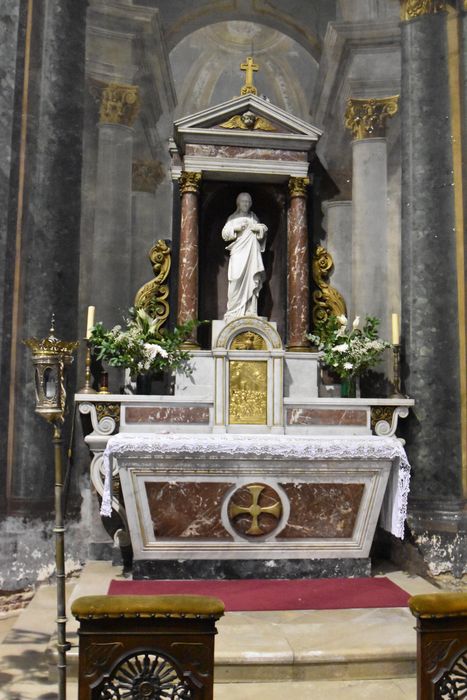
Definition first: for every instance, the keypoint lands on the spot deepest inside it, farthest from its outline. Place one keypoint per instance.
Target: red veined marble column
(188, 261)
(298, 267)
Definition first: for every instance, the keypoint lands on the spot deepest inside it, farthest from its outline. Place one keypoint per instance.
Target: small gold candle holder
(87, 388)
(104, 383)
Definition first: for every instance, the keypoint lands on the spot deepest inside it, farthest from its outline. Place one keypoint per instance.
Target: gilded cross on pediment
(249, 67)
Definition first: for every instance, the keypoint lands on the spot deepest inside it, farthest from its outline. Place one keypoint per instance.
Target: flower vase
(150, 383)
(349, 387)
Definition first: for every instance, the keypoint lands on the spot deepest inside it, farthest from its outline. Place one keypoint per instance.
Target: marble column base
(246, 568)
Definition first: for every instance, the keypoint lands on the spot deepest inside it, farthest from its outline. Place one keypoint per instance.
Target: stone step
(293, 646)
(399, 689)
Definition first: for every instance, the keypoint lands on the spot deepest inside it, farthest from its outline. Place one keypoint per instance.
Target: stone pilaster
(146, 228)
(298, 267)
(112, 290)
(433, 283)
(367, 118)
(338, 226)
(189, 252)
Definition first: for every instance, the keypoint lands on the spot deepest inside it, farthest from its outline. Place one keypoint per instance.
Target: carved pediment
(247, 120)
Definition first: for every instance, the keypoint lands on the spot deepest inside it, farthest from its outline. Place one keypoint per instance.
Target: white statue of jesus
(246, 274)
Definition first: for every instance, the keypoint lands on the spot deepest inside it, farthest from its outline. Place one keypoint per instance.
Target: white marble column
(111, 288)
(338, 226)
(370, 245)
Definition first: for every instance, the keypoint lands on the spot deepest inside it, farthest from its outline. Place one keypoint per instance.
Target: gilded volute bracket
(366, 118)
(153, 296)
(327, 300)
(411, 9)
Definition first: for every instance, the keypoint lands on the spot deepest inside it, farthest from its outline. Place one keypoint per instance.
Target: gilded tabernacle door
(249, 360)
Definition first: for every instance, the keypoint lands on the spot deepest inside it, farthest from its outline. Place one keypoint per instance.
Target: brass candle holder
(87, 388)
(396, 355)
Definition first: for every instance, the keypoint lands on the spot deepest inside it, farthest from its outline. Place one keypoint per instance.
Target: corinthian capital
(297, 186)
(119, 104)
(189, 182)
(366, 117)
(416, 8)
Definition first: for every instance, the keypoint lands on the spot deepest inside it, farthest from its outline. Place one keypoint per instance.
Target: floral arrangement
(141, 347)
(349, 352)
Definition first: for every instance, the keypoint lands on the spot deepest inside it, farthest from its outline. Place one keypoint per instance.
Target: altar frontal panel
(223, 508)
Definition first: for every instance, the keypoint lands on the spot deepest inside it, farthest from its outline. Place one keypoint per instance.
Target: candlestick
(104, 383)
(90, 320)
(397, 394)
(395, 329)
(87, 388)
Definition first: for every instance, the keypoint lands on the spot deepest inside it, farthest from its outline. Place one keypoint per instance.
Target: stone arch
(299, 27)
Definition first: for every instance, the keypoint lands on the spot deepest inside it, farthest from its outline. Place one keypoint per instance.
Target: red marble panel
(321, 510)
(187, 510)
(167, 414)
(244, 152)
(319, 416)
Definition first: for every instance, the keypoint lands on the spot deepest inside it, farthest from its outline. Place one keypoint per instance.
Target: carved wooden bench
(146, 646)
(441, 645)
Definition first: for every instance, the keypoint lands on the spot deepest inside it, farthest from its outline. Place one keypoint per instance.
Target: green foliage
(140, 347)
(349, 352)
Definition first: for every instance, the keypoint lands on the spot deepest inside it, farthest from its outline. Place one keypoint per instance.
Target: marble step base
(251, 568)
(398, 689)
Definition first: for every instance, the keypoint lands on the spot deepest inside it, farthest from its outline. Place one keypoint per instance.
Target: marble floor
(307, 654)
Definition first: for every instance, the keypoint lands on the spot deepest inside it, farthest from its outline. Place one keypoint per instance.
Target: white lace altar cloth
(394, 509)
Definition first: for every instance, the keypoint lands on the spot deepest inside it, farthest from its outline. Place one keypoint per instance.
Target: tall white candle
(90, 321)
(395, 329)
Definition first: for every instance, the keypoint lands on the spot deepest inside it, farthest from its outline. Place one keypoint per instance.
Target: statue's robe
(246, 270)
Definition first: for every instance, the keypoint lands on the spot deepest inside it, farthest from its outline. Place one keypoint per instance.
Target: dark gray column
(43, 232)
(432, 325)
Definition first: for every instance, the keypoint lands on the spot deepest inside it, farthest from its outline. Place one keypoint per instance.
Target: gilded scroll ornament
(297, 186)
(147, 175)
(119, 104)
(366, 118)
(189, 182)
(248, 392)
(410, 9)
(379, 413)
(248, 341)
(152, 296)
(249, 67)
(327, 300)
(248, 120)
(255, 510)
(108, 409)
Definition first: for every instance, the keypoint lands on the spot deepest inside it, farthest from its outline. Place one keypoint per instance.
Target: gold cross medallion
(255, 510)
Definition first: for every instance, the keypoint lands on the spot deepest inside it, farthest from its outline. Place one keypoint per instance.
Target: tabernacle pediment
(248, 120)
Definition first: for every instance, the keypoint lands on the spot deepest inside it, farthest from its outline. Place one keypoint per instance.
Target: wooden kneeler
(146, 646)
(441, 645)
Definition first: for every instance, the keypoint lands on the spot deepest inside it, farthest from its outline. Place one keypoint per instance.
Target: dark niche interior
(217, 203)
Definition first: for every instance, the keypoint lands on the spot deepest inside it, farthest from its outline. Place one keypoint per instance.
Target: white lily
(342, 320)
(356, 322)
(348, 365)
(343, 347)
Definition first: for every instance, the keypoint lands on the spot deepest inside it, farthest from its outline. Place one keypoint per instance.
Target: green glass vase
(349, 388)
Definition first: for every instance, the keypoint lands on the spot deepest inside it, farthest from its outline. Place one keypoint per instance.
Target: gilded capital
(366, 117)
(119, 104)
(147, 174)
(410, 9)
(297, 186)
(189, 182)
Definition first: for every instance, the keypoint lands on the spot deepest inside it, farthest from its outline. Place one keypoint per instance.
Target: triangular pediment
(248, 120)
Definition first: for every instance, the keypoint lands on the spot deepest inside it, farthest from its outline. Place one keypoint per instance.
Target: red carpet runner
(256, 594)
